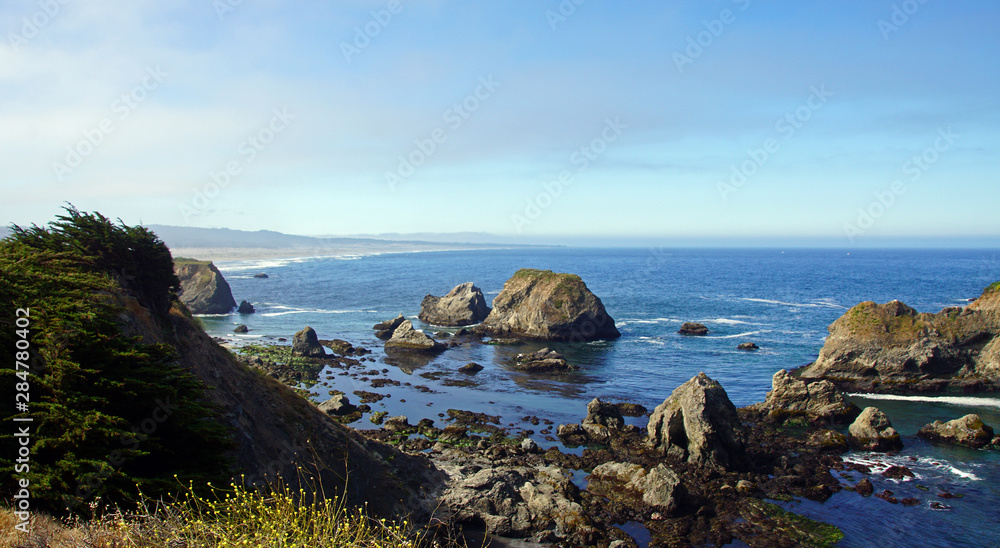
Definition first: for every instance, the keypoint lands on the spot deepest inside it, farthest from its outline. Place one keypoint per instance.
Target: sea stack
(203, 289)
(549, 306)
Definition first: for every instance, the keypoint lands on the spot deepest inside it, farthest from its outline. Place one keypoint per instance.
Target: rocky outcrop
(872, 431)
(544, 305)
(463, 305)
(543, 361)
(407, 339)
(969, 431)
(245, 308)
(699, 424)
(470, 368)
(384, 330)
(306, 343)
(694, 329)
(516, 501)
(815, 401)
(241, 329)
(660, 487)
(748, 346)
(203, 289)
(893, 348)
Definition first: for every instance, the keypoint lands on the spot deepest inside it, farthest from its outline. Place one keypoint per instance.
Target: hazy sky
(855, 119)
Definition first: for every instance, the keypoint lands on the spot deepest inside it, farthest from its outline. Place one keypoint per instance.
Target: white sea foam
(285, 310)
(652, 321)
(821, 303)
(965, 401)
(921, 467)
(747, 334)
(725, 321)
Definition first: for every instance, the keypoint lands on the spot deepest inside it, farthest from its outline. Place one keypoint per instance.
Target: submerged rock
(699, 424)
(872, 431)
(544, 305)
(306, 343)
(969, 431)
(692, 328)
(463, 305)
(407, 339)
(203, 289)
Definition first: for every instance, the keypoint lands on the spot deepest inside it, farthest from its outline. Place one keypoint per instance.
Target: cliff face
(276, 430)
(892, 347)
(544, 305)
(203, 289)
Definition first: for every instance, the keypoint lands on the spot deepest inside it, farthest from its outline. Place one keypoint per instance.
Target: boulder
(407, 339)
(544, 305)
(384, 330)
(306, 343)
(245, 308)
(241, 329)
(543, 361)
(463, 305)
(811, 399)
(872, 431)
(893, 348)
(261, 276)
(529, 445)
(338, 405)
(691, 328)
(969, 431)
(604, 414)
(203, 289)
(699, 424)
(660, 487)
(470, 368)
(829, 441)
(748, 346)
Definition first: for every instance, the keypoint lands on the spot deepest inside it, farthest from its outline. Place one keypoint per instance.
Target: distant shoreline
(221, 254)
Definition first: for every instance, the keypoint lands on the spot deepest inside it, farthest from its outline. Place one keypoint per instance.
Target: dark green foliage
(111, 412)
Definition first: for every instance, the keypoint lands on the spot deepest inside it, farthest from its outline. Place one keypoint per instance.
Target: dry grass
(227, 518)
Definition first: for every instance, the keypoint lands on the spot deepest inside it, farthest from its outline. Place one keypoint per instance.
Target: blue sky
(852, 121)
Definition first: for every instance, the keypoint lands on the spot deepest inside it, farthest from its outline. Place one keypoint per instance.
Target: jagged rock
(543, 361)
(470, 368)
(698, 423)
(969, 431)
(892, 348)
(463, 305)
(829, 440)
(692, 328)
(748, 346)
(203, 289)
(572, 434)
(543, 305)
(604, 414)
(384, 330)
(241, 329)
(407, 339)
(306, 343)
(337, 405)
(529, 445)
(518, 502)
(814, 400)
(245, 308)
(659, 487)
(872, 431)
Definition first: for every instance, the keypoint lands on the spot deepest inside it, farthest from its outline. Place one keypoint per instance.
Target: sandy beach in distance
(258, 253)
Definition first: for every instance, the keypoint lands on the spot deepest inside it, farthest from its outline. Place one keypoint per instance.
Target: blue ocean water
(781, 300)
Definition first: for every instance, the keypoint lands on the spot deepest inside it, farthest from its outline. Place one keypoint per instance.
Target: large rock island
(893, 348)
(203, 289)
(544, 305)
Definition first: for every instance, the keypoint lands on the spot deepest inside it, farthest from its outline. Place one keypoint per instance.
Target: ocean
(782, 300)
